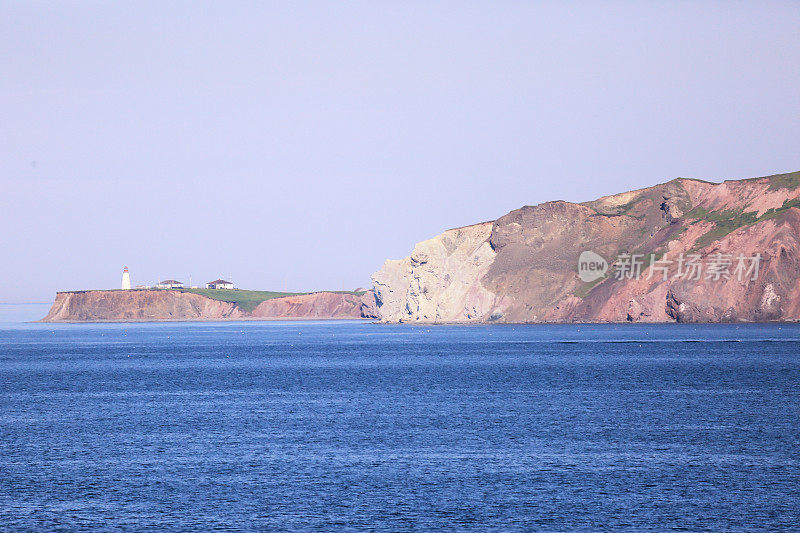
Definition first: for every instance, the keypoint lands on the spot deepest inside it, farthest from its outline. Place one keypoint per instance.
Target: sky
(297, 145)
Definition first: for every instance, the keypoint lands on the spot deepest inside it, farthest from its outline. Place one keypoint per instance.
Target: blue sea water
(349, 426)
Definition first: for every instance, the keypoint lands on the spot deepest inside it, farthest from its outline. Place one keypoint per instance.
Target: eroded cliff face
(155, 305)
(523, 267)
(137, 305)
(440, 281)
(316, 305)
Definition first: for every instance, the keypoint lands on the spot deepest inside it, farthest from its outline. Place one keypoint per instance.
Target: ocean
(320, 426)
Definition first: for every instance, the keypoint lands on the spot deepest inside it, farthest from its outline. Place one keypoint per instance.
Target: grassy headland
(247, 300)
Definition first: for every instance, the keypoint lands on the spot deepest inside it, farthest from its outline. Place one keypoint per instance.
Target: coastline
(238, 319)
(426, 324)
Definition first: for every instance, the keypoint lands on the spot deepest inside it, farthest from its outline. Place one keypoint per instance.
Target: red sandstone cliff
(523, 267)
(155, 305)
(133, 305)
(315, 305)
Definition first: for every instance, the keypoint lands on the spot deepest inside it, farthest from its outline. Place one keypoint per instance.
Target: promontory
(686, 250)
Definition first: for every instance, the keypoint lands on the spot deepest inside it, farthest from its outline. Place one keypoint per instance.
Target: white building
(169, 284)
(126, 279)
(219, 284)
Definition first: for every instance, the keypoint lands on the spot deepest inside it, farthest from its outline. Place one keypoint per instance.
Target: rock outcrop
(138, 305)
(156, 305)
(440, 281)
(314, 305)
(523, 267)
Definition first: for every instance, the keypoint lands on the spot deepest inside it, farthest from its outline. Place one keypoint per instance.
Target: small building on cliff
(219, 284)
(169, 284)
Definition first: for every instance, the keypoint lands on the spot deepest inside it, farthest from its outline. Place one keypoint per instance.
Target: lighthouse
(126, 279)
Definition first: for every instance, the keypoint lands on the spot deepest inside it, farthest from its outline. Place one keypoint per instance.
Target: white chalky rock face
(440, 281)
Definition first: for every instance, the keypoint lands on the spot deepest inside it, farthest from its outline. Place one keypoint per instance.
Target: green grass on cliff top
(727, 221)
(247, 300)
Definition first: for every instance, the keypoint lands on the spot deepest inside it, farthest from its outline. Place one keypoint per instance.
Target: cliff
(316, 305)
(155, 305)
(441, 280)
(524, 267)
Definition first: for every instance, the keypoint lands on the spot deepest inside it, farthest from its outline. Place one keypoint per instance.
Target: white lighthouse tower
(126, 279)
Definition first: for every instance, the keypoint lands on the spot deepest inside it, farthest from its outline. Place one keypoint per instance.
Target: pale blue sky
(297, 145)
